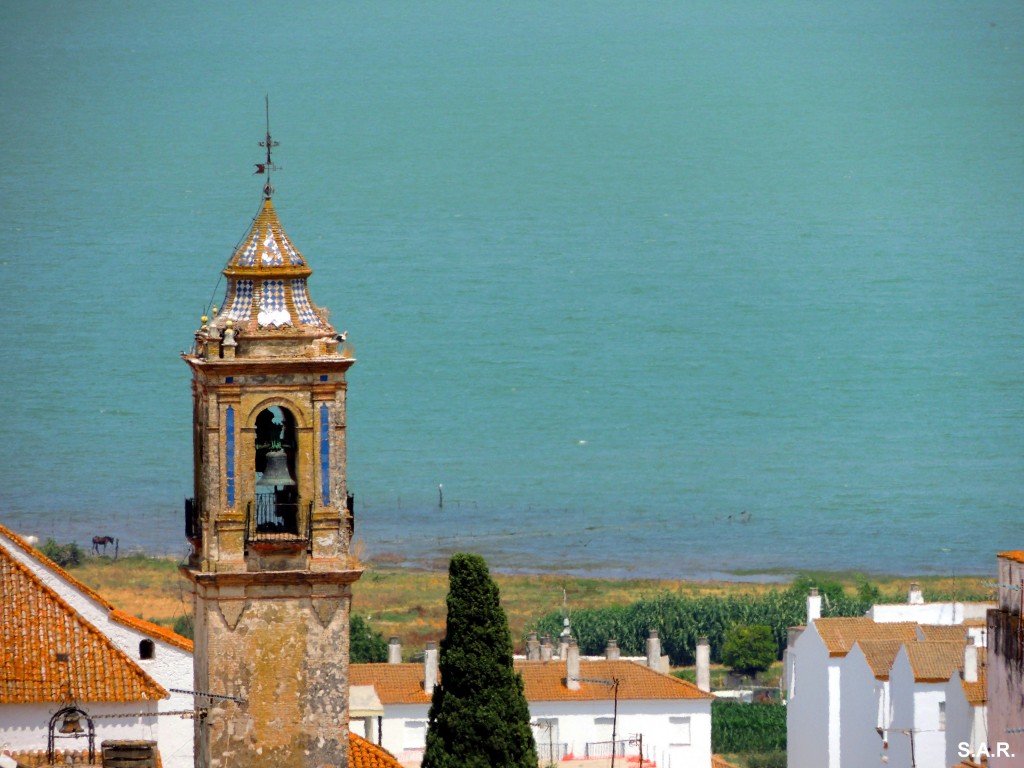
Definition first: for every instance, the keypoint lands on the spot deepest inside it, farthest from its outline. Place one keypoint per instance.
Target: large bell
(72, 724)
(276, 471)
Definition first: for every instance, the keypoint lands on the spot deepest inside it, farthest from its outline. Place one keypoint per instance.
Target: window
(415, 734)
(942, 715)
(680, 730)
(147, 650)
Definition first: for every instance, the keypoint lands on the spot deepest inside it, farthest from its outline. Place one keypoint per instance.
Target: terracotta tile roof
(36, 625)
(542, 681)
(363, 754)
(880, 654)
(717, 761)
(839, 634)
(394, 683)
(934, 662)
(943, 633)
(1017, 555)
(545, 681)
(153, 630)
(976, 693)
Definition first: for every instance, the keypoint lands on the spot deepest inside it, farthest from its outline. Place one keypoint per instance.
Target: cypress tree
(478, 716)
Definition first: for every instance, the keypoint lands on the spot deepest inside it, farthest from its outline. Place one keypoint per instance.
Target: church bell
(72, 724)
(276, 472)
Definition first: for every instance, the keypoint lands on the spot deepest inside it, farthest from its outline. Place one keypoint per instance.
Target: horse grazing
(101, 541)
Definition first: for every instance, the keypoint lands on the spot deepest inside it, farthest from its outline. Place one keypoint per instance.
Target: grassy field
(411, 603)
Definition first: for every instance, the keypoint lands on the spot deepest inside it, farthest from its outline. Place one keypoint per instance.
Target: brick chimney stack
(704, 665)
(572, 665)
(430, 668)
(394, 650)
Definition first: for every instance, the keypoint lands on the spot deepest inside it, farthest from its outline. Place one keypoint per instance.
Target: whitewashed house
(574, 706)
(918, 727)
(841, 694)
(916, 609)
(865, 701)
(966, 710)
(816, 680)
(63, 643)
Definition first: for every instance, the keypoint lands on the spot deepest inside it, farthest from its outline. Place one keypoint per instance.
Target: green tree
(749, 650)
(183, 626)
(365, 644)
(478, 717)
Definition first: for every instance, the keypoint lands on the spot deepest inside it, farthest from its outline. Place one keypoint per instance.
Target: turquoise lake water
(669, 288)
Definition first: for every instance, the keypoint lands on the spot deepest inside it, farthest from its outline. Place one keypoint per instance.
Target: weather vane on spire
(268, 166)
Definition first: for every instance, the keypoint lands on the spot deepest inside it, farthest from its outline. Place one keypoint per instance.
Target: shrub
(183, 626)
(767, 760)
(65, 555)
(739, 727)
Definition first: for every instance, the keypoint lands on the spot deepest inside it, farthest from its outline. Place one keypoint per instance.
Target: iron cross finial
(269, 166)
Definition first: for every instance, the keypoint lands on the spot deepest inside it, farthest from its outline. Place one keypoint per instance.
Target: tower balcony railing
(270, 520)
(193, 521)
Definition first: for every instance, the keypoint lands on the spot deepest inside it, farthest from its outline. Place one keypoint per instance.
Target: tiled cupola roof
(267, 282)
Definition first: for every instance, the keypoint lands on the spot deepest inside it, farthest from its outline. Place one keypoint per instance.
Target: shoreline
(410, 600)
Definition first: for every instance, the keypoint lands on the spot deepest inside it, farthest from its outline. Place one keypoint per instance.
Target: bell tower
(270, 522)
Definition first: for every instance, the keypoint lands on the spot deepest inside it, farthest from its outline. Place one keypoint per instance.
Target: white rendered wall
(25, 727)
(901, 687)
(665, 741)
(916, 718)
(964, 722)
(861, 698)
(396, 738)
(929, 613)
(807, 712)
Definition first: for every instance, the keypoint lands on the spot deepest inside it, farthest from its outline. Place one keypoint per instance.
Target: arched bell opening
(276, 503)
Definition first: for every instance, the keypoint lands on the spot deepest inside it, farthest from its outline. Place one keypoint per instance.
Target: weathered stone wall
(283, 648)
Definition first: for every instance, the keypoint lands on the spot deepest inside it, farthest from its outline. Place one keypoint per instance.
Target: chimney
(563, 639)
(653, 650)
(704, 665)
(572, 665)
(430, 668)
(970, 663)
(813, 606)
(612, 651)
(394, 651)
(915, 596)
(532, 647)
(546, 650)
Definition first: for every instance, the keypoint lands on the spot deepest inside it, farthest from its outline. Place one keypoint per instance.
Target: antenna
(268, 166)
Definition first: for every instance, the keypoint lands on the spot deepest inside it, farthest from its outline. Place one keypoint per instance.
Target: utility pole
(638, 738)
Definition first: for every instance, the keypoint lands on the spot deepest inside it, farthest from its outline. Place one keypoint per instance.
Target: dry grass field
(411, 603)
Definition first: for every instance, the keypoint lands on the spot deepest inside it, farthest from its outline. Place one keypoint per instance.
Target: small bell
(276, 472)
(72, 724)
